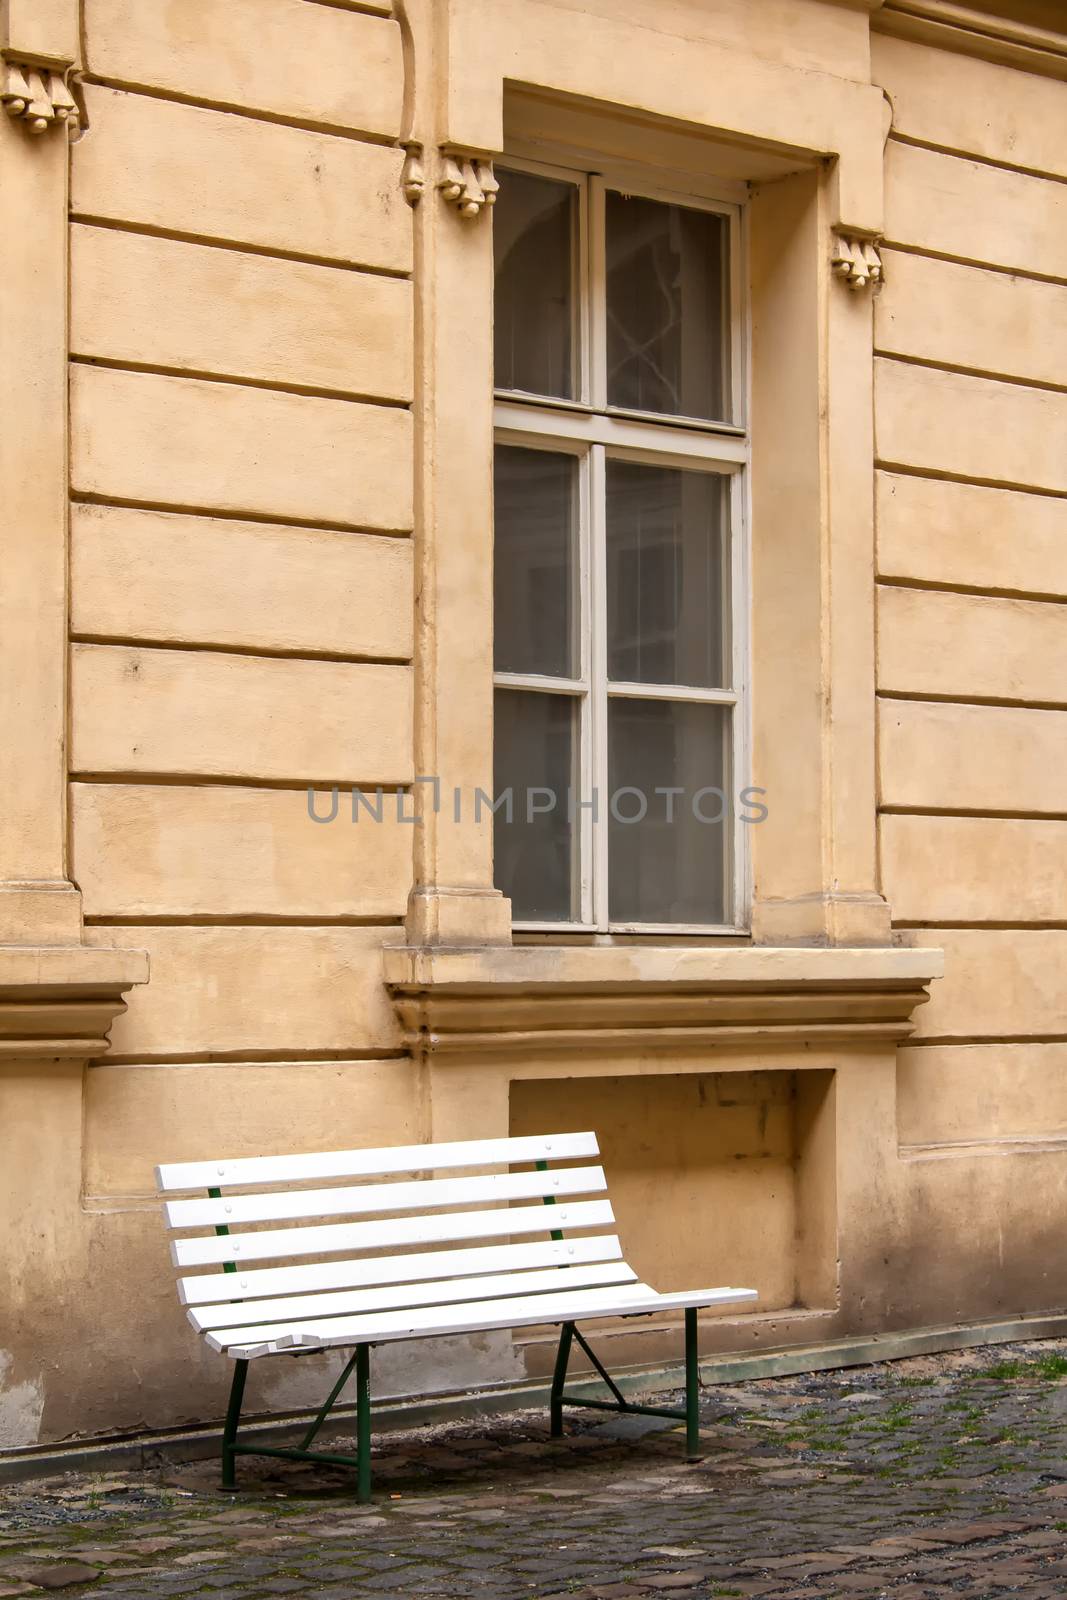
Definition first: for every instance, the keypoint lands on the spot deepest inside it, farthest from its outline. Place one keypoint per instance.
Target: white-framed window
(620, 589)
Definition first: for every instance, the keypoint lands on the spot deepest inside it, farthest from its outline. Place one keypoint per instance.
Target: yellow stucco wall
(972, 648)
(279, 436)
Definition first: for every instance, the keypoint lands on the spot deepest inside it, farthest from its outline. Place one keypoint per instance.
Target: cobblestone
(936, 1477)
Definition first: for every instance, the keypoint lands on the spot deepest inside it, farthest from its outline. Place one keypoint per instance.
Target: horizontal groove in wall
(250, 1058)
(87, 219)
(983, 592)
(890, 243)
(250, 113)
(368, 10)
(939, 1040)
(157, 919)
(957, 19)
(271, 518)
(1008, 1145)
(908, 471)
(313, 391)
(971, 811)
(980, 161)
(993, 925)
(240, 780)
(224, 647)
(973, 700)
(969, 372)
(260, 518)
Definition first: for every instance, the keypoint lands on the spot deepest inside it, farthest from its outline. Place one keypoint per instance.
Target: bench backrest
(406, 1254)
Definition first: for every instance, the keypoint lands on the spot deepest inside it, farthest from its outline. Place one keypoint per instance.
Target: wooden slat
(407, 1269)
(427, 1319)
(334, 1237)
(247, 1170)
(524, 1311)
(423, 1194)
(446, 1291)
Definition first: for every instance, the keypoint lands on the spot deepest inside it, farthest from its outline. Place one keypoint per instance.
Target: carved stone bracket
(39, 96)
(857, 261)
(413, 175)
(467, 182)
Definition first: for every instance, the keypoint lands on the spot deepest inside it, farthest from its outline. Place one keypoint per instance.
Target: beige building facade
(248, 662)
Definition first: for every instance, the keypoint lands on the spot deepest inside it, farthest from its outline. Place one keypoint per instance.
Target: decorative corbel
(857, 261)
(39, 53)
(39, 95)
(413, 175)
(467, 182)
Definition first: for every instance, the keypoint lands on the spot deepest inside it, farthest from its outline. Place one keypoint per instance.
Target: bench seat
(401, 1264)
(517, 1311)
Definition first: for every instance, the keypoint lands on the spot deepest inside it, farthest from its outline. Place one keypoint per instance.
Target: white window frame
(592, 431)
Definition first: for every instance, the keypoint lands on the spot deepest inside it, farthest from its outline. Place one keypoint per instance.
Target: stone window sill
(603, 1000)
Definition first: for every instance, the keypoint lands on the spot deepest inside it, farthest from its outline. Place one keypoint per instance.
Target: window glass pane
(669, 865)
(535, 757)
(534, 238)
(535, 562)
(667, 309)
(667, 585)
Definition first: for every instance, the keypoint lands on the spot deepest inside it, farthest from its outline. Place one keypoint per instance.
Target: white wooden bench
(401, 1275)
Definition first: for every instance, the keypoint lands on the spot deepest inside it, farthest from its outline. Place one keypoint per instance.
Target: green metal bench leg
(363, 1478)
(324, 1410)
(559, 1378)
(233, 1417)
(692, 1386)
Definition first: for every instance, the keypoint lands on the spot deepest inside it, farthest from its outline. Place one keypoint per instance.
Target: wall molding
(58, 1003)
(960, 28)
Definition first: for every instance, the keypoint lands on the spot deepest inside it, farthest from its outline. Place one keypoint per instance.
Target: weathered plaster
(21, 1407)
(281, 573)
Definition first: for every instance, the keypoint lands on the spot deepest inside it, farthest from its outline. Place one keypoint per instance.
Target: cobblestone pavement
(938, 1476)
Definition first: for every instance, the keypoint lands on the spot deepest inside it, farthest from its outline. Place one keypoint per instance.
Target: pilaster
(451, 190)
(813, 659)
(40, 907)
(38, 903)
